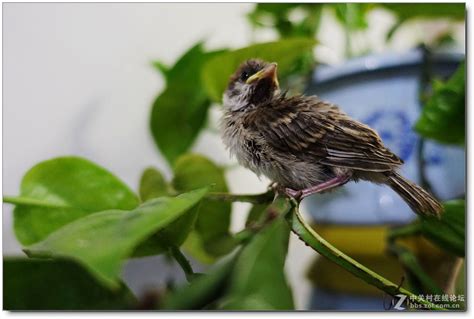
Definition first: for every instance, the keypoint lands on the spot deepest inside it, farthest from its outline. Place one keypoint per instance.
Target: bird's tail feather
(417, 198)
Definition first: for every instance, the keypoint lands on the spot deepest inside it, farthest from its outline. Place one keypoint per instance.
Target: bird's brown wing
(313, 130)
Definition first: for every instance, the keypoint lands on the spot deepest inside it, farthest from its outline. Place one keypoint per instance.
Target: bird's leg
(329, 184)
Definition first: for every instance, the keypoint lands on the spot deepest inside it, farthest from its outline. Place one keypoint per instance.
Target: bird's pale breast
(254, 152)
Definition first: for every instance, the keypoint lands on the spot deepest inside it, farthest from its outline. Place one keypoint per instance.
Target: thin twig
(248, 198)
(183, 262)
(308, 235)
(413, 267)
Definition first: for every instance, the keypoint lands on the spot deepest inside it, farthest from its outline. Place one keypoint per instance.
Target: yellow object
(367, 245)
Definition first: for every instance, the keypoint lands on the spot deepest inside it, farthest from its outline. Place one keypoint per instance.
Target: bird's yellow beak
(270, 71)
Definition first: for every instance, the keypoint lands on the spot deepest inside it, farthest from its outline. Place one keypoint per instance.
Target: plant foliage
(101, 241)
(32, 284)
(443, 116)
(79, 223)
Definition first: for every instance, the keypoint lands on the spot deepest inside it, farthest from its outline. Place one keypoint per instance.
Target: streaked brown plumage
(305, 144)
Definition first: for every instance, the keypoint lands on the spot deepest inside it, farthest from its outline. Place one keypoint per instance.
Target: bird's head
(254, 83)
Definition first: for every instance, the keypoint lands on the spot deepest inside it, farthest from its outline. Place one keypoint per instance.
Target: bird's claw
(293, 195)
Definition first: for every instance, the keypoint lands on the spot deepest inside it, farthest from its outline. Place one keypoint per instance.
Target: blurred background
(79, 80)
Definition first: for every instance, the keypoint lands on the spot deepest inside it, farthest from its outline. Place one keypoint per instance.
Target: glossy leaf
(213, 221)
(153, 185)
(286, 53)
(190, 59)
(172, 235)
(258, 280)
(443, 116)
(203, 290)
(180, 111)
(102, 240)
(61, 190)
(57, 285)
(449, 232)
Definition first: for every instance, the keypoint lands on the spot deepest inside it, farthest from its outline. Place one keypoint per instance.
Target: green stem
(319, 244)
(410, 262)
(248, 198)
(279, 207)
(183, 262)
(244, 235)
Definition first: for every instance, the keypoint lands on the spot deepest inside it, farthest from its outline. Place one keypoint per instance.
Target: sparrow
(304, 144)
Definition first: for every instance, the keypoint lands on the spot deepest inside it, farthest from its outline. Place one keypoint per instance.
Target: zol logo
(401, 300)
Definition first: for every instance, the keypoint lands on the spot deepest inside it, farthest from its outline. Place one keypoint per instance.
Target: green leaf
(183, 104)
(278, 17)
(194, 246)
(102, 240)
(203, 290)
(255, 214)
(443, 116)
(212, 225)
(153, 185)
(258, 280)
(406, 11)
(57, 285)
(172, 235)
(286, 53)
(163, 68)
(353, 16)
(449, 232)
(61, 190)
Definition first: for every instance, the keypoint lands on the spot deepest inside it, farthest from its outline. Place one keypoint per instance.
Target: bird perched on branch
(304, 144)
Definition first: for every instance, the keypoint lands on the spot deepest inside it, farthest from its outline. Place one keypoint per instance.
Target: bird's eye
(244, 75)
